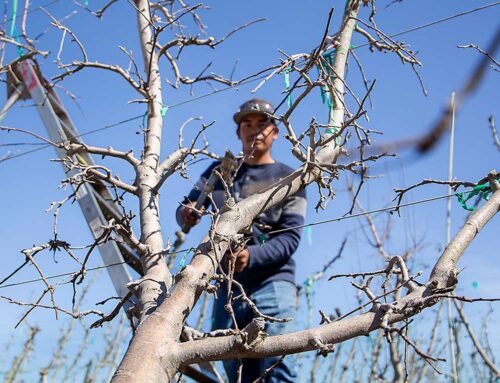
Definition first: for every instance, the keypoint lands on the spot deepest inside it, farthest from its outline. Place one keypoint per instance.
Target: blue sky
(30, 183)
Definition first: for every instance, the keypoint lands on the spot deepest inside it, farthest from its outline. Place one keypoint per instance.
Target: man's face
(257, 133)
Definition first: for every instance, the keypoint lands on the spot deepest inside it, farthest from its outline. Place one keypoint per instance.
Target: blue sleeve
(281, 246)
(196, 191)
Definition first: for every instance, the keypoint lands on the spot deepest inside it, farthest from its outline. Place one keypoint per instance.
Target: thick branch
(79, 148)
(157, 278)
(194, 277)
(444, 272)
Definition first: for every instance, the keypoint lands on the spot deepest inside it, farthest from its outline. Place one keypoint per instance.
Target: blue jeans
(276, 298)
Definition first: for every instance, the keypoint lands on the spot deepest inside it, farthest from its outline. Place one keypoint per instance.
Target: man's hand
(242, 259)
(189, 216)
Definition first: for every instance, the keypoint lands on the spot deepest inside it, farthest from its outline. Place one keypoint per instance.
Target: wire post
(450, 169)
(451, 338)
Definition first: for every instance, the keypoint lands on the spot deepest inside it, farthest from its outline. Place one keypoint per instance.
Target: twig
(476, 47)
(114, 313)
(75, 315)
(494, 134)
(23, 356)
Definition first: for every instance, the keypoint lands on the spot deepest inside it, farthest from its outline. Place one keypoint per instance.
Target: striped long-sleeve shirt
(273, 260)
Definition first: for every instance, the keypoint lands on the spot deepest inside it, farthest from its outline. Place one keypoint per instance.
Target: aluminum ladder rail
(94, 199)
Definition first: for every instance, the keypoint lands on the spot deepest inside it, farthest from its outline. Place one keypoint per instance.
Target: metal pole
(451, 338)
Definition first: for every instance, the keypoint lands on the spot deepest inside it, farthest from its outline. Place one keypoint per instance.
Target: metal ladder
(94, 199)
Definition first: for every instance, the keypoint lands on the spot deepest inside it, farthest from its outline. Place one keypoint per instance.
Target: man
(265, 266)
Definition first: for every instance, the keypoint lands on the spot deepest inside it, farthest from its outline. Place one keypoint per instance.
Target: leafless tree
(162, 343)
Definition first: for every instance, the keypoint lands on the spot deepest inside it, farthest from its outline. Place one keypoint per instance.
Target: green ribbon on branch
(262, 239)
(328, 56)
(13, 30)
(286, 75)
(330, 119)
(163, 112)
(483, 189)
(330, 104)
(182, 262)
(326, 96)
(13, 17)
(323, 98)
(308, 233)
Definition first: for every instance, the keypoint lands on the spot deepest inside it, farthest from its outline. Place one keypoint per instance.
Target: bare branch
(104, 152)
(113, 313)
(100, 12)
(99, 171)
(494, 134)
(79, 65)
(476, 47)
(65, 30)
(75, 315)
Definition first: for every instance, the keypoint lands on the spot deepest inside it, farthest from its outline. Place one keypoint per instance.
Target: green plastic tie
(164, 110)
(13, 17)
(483, 189)
(182, 262)
(13, 30)
(308, 282)
(323, 97)
(328, 56)
(330, 104)
(262, 239)
(286, 74)
(322, 91)
(308, 232)
(348, 49)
